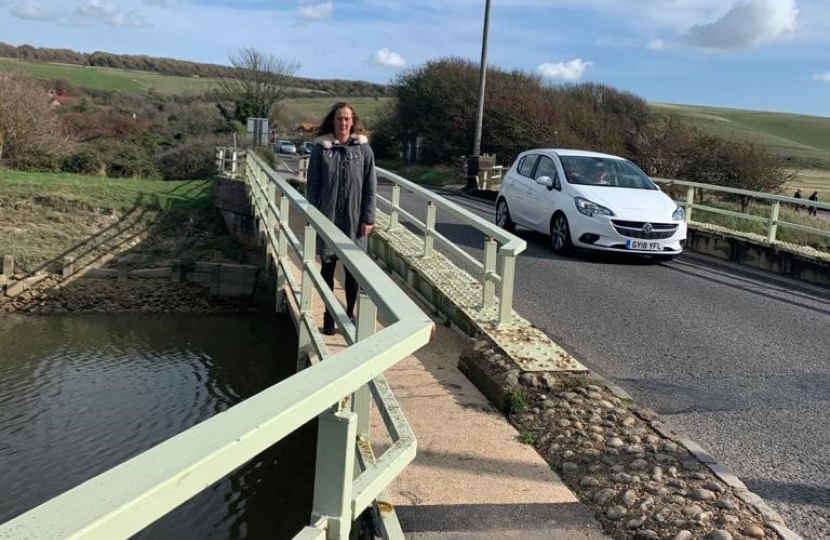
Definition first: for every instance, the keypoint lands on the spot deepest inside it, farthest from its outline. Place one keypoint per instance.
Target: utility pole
(482, 78)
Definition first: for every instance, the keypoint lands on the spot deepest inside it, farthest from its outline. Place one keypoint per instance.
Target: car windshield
(599, 171)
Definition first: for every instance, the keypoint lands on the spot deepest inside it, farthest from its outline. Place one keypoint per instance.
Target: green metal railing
(772, 221)
(496, 272)
(338, 391)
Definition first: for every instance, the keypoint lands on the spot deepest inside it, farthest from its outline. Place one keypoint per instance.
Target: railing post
(302, 169)
(508, 272)
(270, 223)
(488, 286)
(306, 296)
(362, 398)
(772, 227)
(234, 166)
(282, 251)
(393, 212)
(334, 472)
(429, 239)
(690, 202)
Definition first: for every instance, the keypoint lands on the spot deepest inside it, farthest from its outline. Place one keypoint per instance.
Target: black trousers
(327, 271)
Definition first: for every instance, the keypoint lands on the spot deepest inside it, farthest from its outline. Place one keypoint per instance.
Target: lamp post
(481, 81)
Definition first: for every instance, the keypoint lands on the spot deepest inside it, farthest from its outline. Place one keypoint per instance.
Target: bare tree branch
(256, 85)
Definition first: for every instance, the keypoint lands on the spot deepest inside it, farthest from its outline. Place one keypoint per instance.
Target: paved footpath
(472, 478)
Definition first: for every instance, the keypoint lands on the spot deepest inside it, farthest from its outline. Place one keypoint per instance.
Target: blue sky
(749, 54)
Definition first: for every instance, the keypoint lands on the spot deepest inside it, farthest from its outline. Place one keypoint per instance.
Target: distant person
(812, 210)
(342, 184)
(797, 196)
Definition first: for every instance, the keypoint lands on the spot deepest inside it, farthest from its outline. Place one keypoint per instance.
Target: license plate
(644, 245)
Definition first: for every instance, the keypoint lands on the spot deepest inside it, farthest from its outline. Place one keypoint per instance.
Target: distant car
(588, 200)
(286, 147)
(305, 147)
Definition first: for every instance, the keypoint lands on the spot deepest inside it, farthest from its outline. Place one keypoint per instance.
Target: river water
(82, 393)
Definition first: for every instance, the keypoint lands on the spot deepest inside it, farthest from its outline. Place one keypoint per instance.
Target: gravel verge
(642, 479)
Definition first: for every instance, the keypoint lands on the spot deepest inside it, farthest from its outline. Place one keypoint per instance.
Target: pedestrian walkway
(472, 478)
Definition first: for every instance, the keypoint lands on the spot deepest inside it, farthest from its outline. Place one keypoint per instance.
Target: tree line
(181, 68)
(436, 105)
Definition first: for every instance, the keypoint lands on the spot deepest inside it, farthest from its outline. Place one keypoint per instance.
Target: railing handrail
(127, 498)
(499, 245)
(738, 191)
(510, 243)
(773, 222)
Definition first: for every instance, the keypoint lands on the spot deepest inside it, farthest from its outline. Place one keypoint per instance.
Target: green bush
(191, 160)
(125, 160)
(85, 160)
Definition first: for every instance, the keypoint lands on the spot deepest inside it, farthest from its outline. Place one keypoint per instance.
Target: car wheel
(560, 234)
(503, 216)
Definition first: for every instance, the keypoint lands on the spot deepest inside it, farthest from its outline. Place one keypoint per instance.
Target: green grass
(515, 401)
(313, 109)
(44, 217)
(101, 78)
(528, 438)
(792, 135)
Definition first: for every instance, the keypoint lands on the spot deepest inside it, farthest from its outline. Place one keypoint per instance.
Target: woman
(341, 184)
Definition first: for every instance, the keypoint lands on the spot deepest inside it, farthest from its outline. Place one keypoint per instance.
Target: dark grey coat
(342, 184)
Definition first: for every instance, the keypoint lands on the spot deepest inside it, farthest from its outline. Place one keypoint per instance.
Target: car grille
(635, 229)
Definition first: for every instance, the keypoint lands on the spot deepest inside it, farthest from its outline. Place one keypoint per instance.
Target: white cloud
(748, 23)
(566, 71)
(656, 44)
(316, 11)
(95, 10)
(163, 3)
(823, 77)
(33, 11)
(386, 58)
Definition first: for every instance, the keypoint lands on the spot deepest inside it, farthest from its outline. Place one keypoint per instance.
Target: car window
(546, 167)
(631, 176)
(526, 165)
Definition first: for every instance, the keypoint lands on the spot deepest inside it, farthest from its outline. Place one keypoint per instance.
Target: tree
(255, 85)
(28, 126)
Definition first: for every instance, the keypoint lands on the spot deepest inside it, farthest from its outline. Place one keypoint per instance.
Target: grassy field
(315, 108)
(791, 135)
(101, 78)
(44, 217)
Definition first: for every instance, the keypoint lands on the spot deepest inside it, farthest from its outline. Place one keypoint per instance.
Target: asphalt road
(738, 360)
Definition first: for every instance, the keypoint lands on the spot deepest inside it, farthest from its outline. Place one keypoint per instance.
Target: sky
(767, 55)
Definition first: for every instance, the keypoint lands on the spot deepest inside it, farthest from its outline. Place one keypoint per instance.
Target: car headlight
(590, 208)
(679, 214)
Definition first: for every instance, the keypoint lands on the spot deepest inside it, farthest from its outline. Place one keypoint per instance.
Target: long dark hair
(327, 125)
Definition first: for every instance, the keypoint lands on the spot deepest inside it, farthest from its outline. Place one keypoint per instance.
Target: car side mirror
(548, 182)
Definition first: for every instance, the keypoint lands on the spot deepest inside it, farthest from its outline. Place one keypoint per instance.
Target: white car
(286, 147)
(588, 200)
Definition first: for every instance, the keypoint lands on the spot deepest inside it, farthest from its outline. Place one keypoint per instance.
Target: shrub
(85, 160)
(31, 134)
(189, 161)
(125, 160)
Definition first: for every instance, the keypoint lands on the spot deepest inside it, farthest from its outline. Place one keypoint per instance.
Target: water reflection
(80, 394)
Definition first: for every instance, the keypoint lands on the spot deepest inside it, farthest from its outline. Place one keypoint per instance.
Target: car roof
(574, 152)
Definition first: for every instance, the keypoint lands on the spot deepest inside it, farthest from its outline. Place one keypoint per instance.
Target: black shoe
(329, 330)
